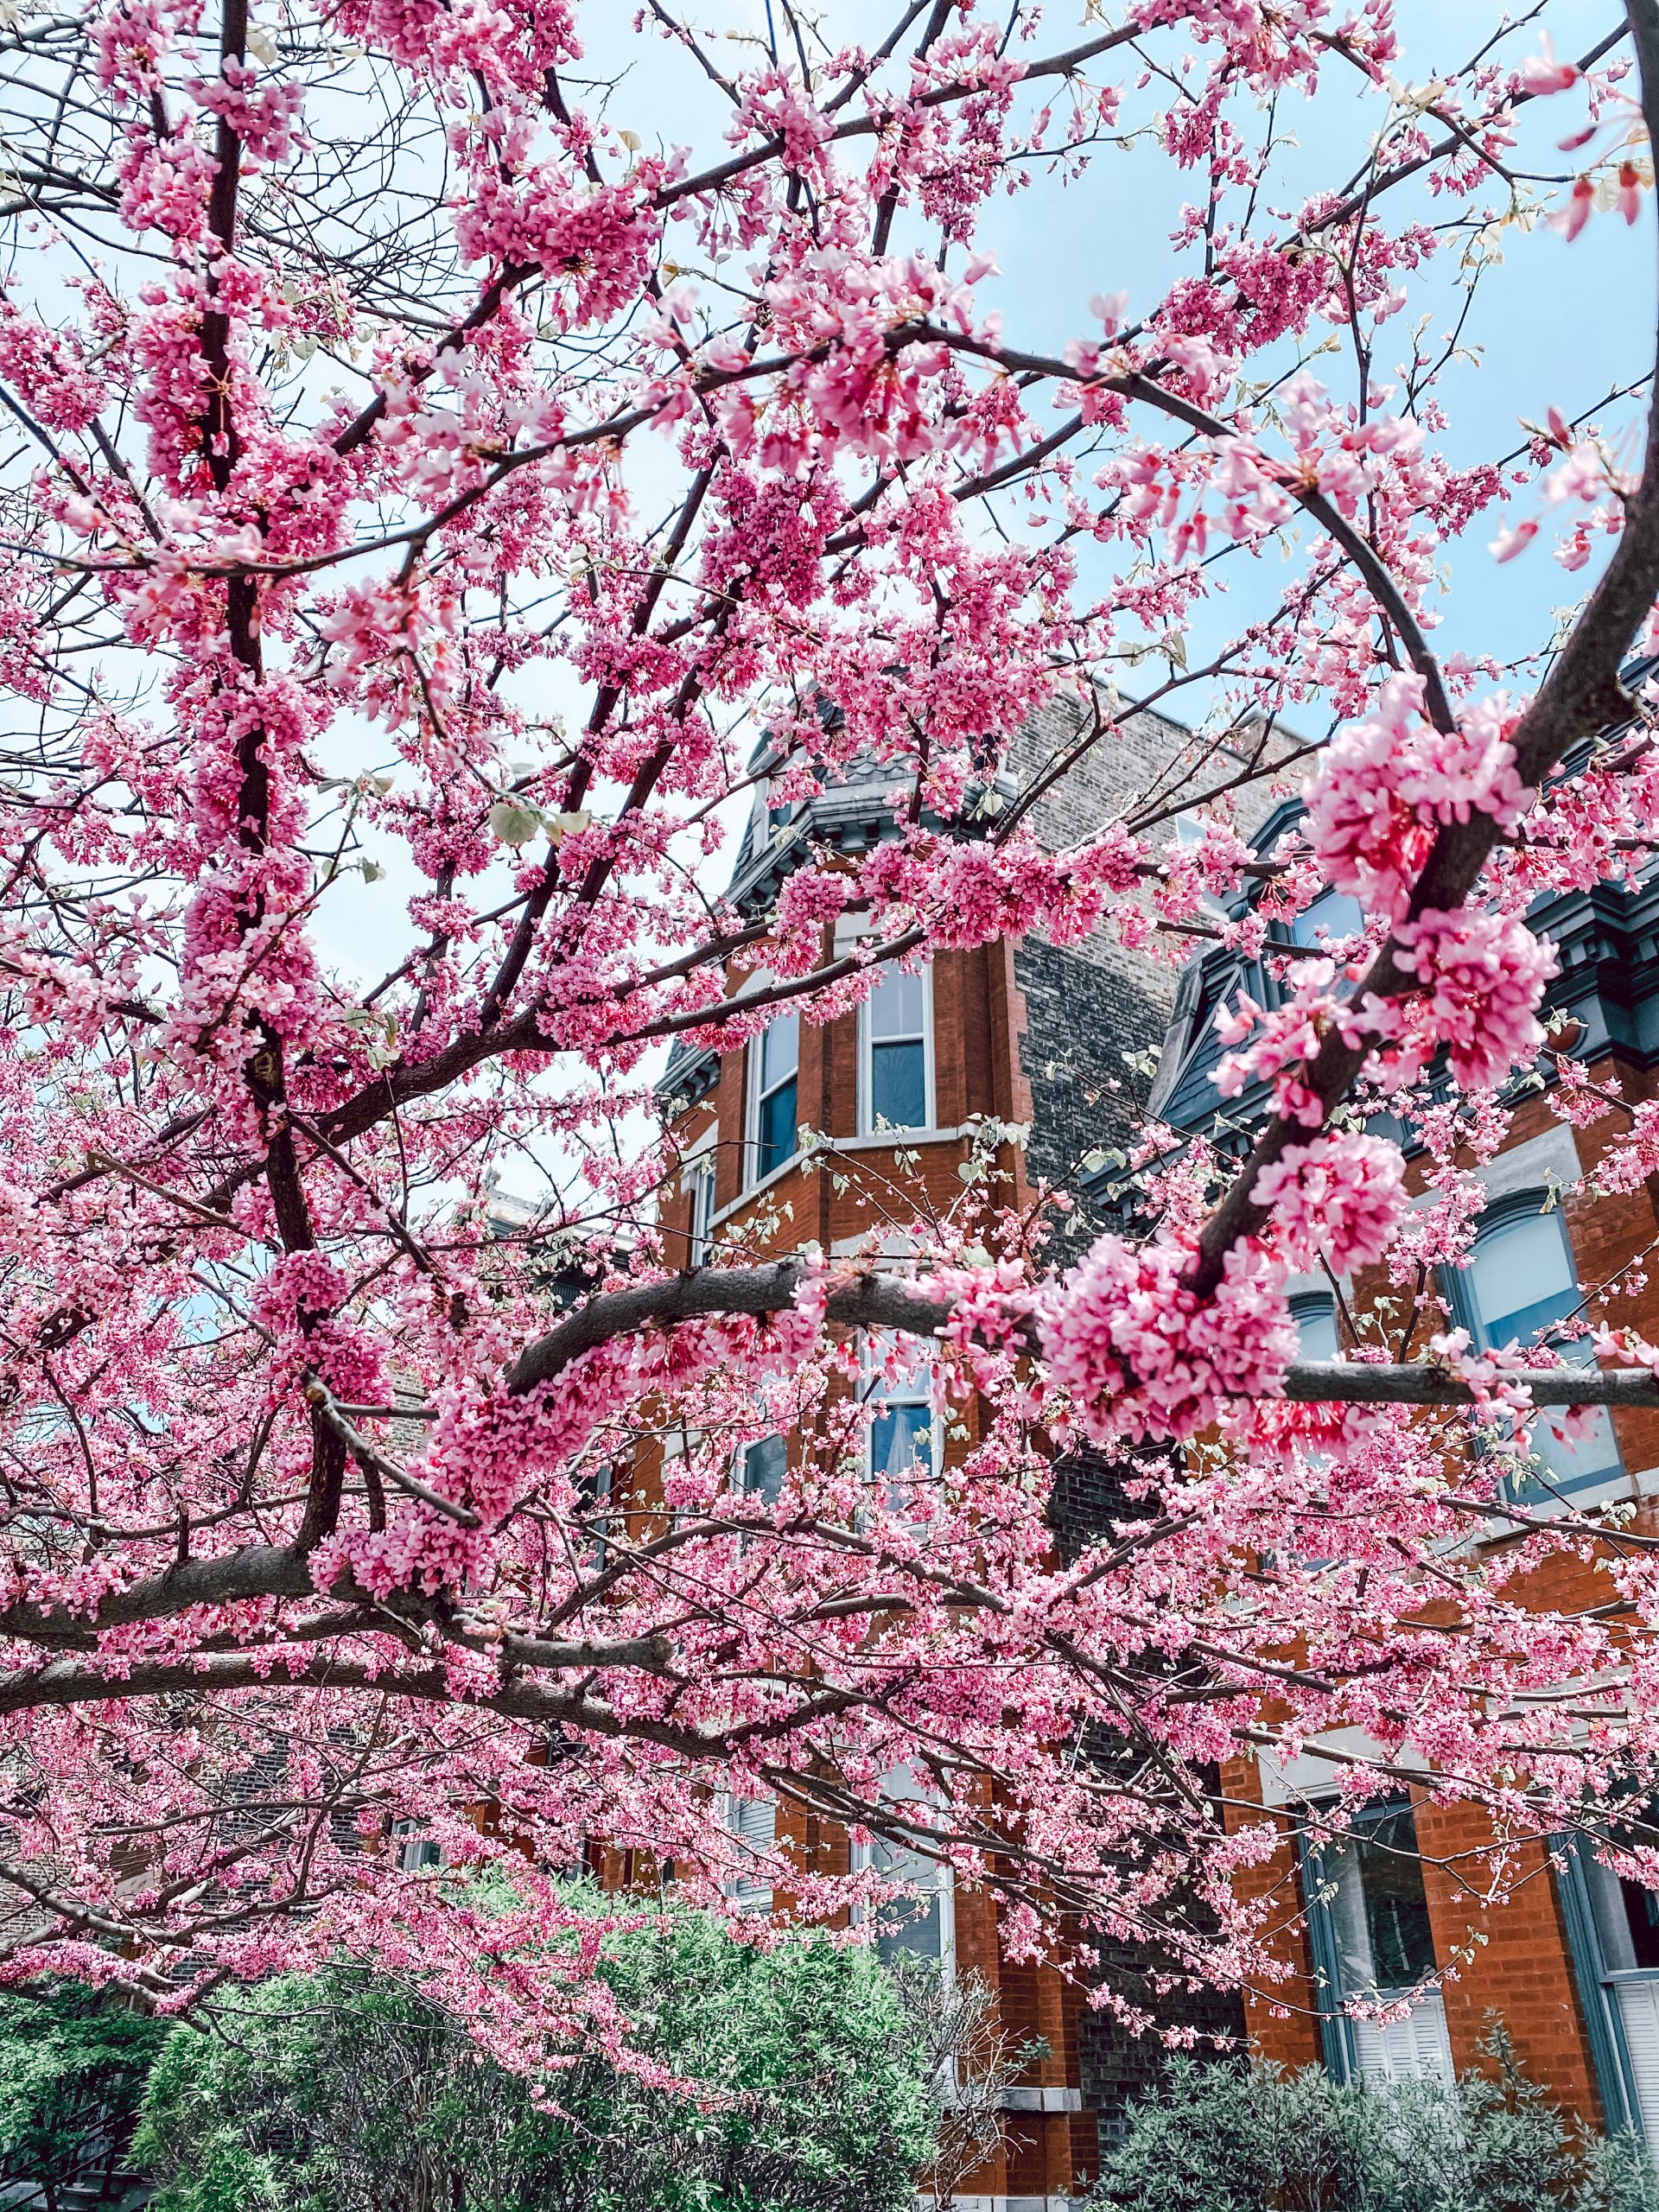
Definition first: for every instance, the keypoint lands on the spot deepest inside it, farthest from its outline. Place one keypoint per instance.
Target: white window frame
(872, 1348)
(866, 1061)
(753, 1099)
(697, 1181)
(862, 1858)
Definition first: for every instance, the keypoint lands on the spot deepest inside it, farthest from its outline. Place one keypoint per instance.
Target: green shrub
(1218, 2138)
(344, 2092)
(73, 2062)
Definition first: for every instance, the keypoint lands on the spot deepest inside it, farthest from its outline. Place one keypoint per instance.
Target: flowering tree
(375, 390)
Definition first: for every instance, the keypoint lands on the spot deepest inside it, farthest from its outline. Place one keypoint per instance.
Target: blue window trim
(1610, 2056)
(1336, 2029)
(1525, 1206)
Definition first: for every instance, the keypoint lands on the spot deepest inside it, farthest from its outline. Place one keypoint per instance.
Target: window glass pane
(898, 1086)
(777, 1131)
(780, 1049)
(416, 1852)
(1333, 912)
(908, 1927)
(594, 1486)
(765, 1465)
(702, 1213)
(1379, 1910)
(1520, 1277)
(1626, 1914)
(901, 1442)
(1316, 1328)
(896, 1005)
(1641, 1918)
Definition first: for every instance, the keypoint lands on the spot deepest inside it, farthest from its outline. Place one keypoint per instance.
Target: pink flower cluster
(1479, 979)
(1140, 1355)
(264, 117)
(1337, 1199)
(1384, 788)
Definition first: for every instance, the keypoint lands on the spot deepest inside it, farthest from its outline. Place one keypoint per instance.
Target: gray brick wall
(1091, 1008)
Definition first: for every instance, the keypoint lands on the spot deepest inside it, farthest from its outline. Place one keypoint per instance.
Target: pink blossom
(1337, 1199)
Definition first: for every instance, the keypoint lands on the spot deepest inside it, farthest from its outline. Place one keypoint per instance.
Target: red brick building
(1036, 1037)
(1569, 1965)
(1023, 1037)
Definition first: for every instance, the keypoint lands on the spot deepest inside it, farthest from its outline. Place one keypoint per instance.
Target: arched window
(1333, 914)
(1315, 1316)
(1521, 1279)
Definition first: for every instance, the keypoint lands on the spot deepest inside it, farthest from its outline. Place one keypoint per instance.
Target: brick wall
(1033, 1034)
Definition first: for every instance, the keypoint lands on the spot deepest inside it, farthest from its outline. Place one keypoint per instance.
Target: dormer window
(1333, 914)
(776, 814)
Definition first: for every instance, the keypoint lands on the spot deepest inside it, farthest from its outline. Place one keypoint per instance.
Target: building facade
(1058, 1043)
(1568, 1965)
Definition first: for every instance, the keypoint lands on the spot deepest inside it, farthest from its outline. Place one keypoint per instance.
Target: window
(1612, 1927)
(1333, 914)
(774, 1072)
(699, 1178)
(895, 1056)
(778, 813)
(922, 1924)
(762, 1468)
(754, 1821)
(1371, 1938)
(593, 1488)
(904, 1445)
(914, 1927)
(1519, 1278)
(1315, 1317)
(1192, 829)
(415, 1851)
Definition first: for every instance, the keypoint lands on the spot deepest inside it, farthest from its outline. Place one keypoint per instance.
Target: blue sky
(1553, 323)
